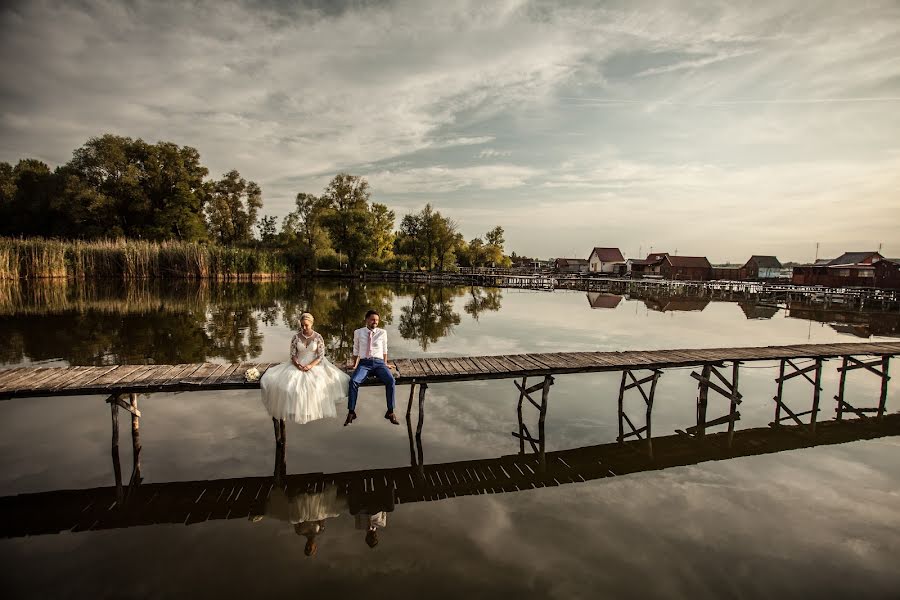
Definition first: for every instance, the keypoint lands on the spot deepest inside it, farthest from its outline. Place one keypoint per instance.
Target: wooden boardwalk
(191, 502)
(124, 379)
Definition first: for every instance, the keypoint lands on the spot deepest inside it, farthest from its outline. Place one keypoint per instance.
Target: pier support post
(851, 363)
(725, 386)
(644, 432)
(136, 477)
(537, 444)
(816, 382)
(117, 466)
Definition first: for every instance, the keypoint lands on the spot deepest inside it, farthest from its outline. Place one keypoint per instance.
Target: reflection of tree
(234, 333)
(483, 299)
(429, 316)
(339, 311)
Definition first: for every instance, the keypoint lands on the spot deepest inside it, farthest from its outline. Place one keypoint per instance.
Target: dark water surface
(819, 522)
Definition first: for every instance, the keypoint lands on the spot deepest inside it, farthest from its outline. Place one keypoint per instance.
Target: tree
(233, 204)
(408, 240)
(476, 253)
(382, 231)
(116, 186)
(268, 231)
(302, 228)
(26, 198)
(347, 218)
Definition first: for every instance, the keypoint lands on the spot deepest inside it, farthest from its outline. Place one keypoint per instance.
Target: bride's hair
(306, 317)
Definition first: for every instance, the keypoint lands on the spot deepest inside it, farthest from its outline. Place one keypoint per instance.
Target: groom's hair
(372, 312)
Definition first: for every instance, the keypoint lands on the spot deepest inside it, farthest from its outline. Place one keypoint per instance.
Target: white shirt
(364, 521)
(361, 342)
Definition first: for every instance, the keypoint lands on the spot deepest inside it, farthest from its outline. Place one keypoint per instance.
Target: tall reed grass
(36, 258)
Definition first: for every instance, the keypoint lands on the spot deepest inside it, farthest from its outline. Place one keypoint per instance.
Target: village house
(606, 260)
(570, 265)
(756, 268)
(647, 267)
(887, 274)
(850, 269)
(687, 268)
(762, 267)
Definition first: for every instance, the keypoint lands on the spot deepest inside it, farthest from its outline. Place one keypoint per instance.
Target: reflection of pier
(192, 502)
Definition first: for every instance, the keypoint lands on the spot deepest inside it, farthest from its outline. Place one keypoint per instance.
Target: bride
(308, 387)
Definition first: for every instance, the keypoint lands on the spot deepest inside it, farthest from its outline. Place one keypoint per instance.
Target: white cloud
(762, 104)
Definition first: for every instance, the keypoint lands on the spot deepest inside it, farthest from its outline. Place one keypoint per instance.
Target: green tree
(302, 228)
(382, 223)
(233, 204)
(268, 231)
(347, 218)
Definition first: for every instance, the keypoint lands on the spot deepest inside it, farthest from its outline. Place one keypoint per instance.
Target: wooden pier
(193, 502)
(25, 382)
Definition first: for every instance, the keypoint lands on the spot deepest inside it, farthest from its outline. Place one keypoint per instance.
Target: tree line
(119, 187)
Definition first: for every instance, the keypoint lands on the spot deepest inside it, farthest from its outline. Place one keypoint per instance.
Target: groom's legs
(359, 375)
(387, 378)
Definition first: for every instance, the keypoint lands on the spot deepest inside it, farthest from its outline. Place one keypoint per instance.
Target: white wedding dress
(302, 396)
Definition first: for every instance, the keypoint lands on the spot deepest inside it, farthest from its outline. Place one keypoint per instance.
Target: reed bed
(135, 259)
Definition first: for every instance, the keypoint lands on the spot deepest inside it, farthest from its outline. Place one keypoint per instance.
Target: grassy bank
(42, 259)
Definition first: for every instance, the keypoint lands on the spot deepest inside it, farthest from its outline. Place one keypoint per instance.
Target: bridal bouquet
(251, 374)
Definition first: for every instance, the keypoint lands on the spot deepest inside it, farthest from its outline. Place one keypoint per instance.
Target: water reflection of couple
(308, 511)
(307, 388)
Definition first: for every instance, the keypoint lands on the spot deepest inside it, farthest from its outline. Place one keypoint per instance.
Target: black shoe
(351, 416)
(389, 415)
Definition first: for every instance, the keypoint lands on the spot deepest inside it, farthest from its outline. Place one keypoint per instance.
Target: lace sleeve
(320, 347)
(295, 347)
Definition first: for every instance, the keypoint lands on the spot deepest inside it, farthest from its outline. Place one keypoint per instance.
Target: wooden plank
(520, 363)
(149, 373)
(89, 378)
(199, 375)
(498, 366)
(20, 381)
(508, 364)
(114, 376)
(9, 374)
(216, 374)
(136, 375)
(473, 368)
(437, 365)
(48, 381)
(162, 375)
(484, 367)
(176, 377)
(78, 381)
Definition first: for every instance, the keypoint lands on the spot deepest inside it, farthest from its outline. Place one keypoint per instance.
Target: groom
(370, 356)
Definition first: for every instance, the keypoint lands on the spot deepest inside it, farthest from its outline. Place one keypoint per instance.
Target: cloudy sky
(716, 128)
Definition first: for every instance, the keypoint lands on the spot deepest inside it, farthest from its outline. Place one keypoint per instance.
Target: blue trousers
(377, 367)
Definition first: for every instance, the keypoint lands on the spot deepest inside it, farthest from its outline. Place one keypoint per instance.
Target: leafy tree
(348, 219)
(26, 198)
(232, 208)
(382, 231)
(268, 230)
(302, 228)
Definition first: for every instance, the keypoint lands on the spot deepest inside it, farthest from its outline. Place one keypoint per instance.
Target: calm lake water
(817, 522)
